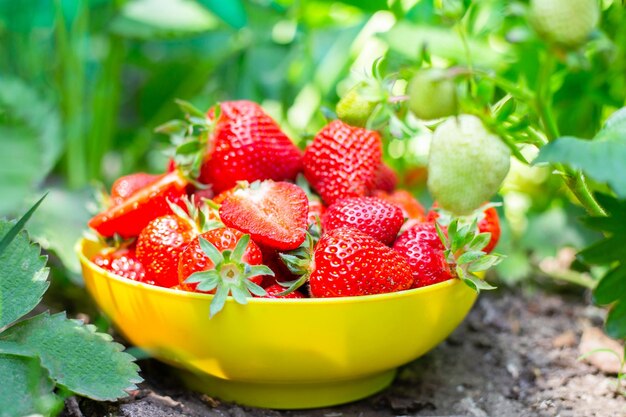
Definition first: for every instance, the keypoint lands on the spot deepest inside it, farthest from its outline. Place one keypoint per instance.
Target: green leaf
(616, 321)
(601, 158)
(240, 295)
(218, 301)
(605, 251)
(173, 127)
(190, 110)
(611, 287)
(188, 148)
(476, 283)
(484, 263)
(23, 276)
(240, 248)
(231, 11)
(75, 355)
(469, 256)
(255, 289)
(211, 251)
(150, 19)
(480, 241)
(24, 385)
(13, 232)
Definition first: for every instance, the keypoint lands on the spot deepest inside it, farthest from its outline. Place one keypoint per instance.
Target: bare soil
(515, 355)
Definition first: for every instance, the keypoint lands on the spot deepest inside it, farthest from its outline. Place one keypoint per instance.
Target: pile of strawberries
(244, 212)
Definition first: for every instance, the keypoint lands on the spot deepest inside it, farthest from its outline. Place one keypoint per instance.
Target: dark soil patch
(515, 355)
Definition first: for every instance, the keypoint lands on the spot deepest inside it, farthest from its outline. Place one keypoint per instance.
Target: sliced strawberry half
(275, 214)
(131, 215)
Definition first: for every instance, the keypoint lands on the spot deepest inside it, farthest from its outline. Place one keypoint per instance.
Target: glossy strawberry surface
(159, 246)
(342, 161)
(424, 251)
(193, 259)
(127, 185)
(411, 208)
(490, 223)
(371, 215)
(275, 214)
(347, 262)
(122, 262)
(247, 144)
(128, 218)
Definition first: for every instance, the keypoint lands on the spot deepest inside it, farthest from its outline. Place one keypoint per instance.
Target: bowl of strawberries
(276, 277)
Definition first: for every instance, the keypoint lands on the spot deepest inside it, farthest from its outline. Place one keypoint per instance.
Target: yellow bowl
(280, 353)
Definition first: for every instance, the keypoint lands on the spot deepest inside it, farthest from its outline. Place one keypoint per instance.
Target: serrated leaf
(76, 356)
(24, 384)
(23, 276)
(601, 158)
(616, 321)
(611, 287)
(18, 226)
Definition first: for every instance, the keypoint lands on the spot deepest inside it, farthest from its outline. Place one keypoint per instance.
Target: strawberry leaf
(600, 158)
(24, 385)
(76, 356)
(23, 275)
(612, 287)
(616, 320)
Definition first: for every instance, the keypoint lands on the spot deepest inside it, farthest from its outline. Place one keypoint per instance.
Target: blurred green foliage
(83, 83)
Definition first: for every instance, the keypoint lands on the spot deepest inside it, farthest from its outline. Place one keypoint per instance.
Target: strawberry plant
(45, 358)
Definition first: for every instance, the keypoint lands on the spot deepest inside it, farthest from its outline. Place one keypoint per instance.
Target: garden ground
(515, 355)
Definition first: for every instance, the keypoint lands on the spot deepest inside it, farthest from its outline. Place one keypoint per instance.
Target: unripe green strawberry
(355, 108)
(432, 94)
(466, 164)
(564, 22)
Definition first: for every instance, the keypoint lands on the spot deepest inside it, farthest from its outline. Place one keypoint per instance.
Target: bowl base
(289, 396)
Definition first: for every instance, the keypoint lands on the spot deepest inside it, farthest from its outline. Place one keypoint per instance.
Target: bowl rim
(79, 249)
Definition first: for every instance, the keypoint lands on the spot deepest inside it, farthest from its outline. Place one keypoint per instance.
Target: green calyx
(298, 261)
(191, 139)
(198, 215)
(229, 276)
(464, 252)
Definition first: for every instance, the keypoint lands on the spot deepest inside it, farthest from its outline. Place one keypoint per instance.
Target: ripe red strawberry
(347, 262)
(160, 244)
(247, 145)
(127, 185)
(273, 213)
(411, 208)
(386, 179)
(223, 261)
(122, 262)
(342, 161)
(274, 290)
(424, 251)
(490, 223)
(371, 215)
(128, 218)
